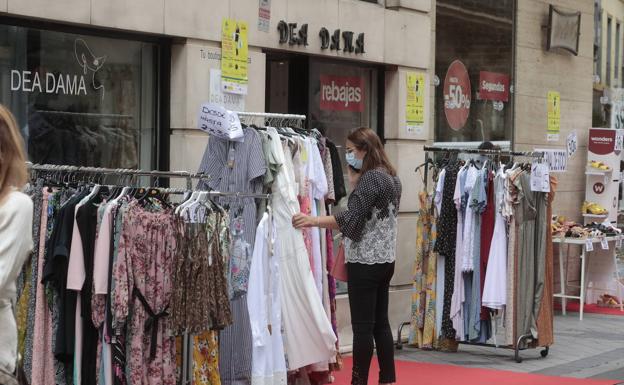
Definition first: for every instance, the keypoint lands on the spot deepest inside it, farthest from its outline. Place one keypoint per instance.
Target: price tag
(604, 243)
(557, 160)
(589, 245)
(540, 177)
(572, 143)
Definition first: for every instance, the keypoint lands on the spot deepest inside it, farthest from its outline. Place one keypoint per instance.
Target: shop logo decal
(599, 188)
(89, 62)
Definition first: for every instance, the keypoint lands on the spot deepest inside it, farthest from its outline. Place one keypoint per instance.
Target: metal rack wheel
(544, 353)
(399, 340)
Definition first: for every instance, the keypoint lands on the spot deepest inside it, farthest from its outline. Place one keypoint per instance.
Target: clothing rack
(457, 150)
(86, 114)
(274, 118)
(118, 171)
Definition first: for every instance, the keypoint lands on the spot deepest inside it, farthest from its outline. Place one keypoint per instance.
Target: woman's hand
(300, 221)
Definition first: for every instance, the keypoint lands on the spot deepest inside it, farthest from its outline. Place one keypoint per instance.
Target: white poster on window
(232, 102)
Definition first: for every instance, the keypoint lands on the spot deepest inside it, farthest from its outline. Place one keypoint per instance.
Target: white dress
(495, 287)
(308, 334)
(458, 299)
(265, 310)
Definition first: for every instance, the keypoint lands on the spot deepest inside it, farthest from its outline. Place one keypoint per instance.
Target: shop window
(81, 100)
(335, 96)
(478, 38)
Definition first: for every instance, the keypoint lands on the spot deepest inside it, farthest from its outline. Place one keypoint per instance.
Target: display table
(583, 286)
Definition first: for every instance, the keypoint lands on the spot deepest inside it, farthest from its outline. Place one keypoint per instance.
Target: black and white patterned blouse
(370, 222)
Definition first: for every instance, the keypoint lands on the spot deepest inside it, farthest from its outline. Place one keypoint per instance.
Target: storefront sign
(342, 93)
(233, 102)
(457, 95)
(554, 116)
(601, 141)
(415, 105)
(62, 83)
(347, 41)
(564, 30)
(48, 83)
(234, 51)
(557, 160)
(493, 86)
(264, 15)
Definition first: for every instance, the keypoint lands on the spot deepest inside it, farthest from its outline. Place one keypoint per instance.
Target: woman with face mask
(369, 226)
(16, 216)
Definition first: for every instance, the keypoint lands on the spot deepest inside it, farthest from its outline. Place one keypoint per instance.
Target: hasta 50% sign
(457, 95)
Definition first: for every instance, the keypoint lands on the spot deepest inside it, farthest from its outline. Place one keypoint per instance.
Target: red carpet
(589, 308)
(418, 373)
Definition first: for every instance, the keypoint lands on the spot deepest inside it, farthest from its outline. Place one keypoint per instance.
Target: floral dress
(422, 331)
(142, 292)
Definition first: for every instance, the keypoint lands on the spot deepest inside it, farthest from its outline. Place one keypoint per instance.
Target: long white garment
(495, 287)
(318, 190)
(457, 310)
(308, 334)
(265, 310)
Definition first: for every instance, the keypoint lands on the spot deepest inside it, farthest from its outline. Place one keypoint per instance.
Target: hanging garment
(143, 272)
(237, 167)
(43, 371)
(532, 255)
(445, 245)
(422, 331)
(458, 298)
(487, 234)
(206, 359)
(495, 286)
(200, 300)
(39, 249)
(263, 302)
(305, 322)
(545, 318)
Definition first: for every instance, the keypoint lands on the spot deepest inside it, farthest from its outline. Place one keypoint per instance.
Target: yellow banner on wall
(554, 116)
(415, 105)
(234, 56)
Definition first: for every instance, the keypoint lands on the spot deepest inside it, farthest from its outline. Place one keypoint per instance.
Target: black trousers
(368, 299)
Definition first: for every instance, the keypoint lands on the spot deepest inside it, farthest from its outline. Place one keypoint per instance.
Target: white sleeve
(16, 216)
(439, 190)
(256, 298)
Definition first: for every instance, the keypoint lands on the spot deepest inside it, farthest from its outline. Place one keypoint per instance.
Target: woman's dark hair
(367, 140)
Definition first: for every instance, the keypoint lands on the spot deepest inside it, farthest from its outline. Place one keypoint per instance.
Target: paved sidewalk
(592, 348)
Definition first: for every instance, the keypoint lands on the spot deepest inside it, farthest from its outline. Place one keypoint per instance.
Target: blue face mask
(353, 161)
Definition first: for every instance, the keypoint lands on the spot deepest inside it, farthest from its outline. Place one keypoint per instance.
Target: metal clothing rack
(275, 119)
(86, 114)
(456, 150)
(118, 171)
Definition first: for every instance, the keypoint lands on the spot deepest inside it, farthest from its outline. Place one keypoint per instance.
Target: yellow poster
(415, 105)
(554, 116)
(234, 56)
